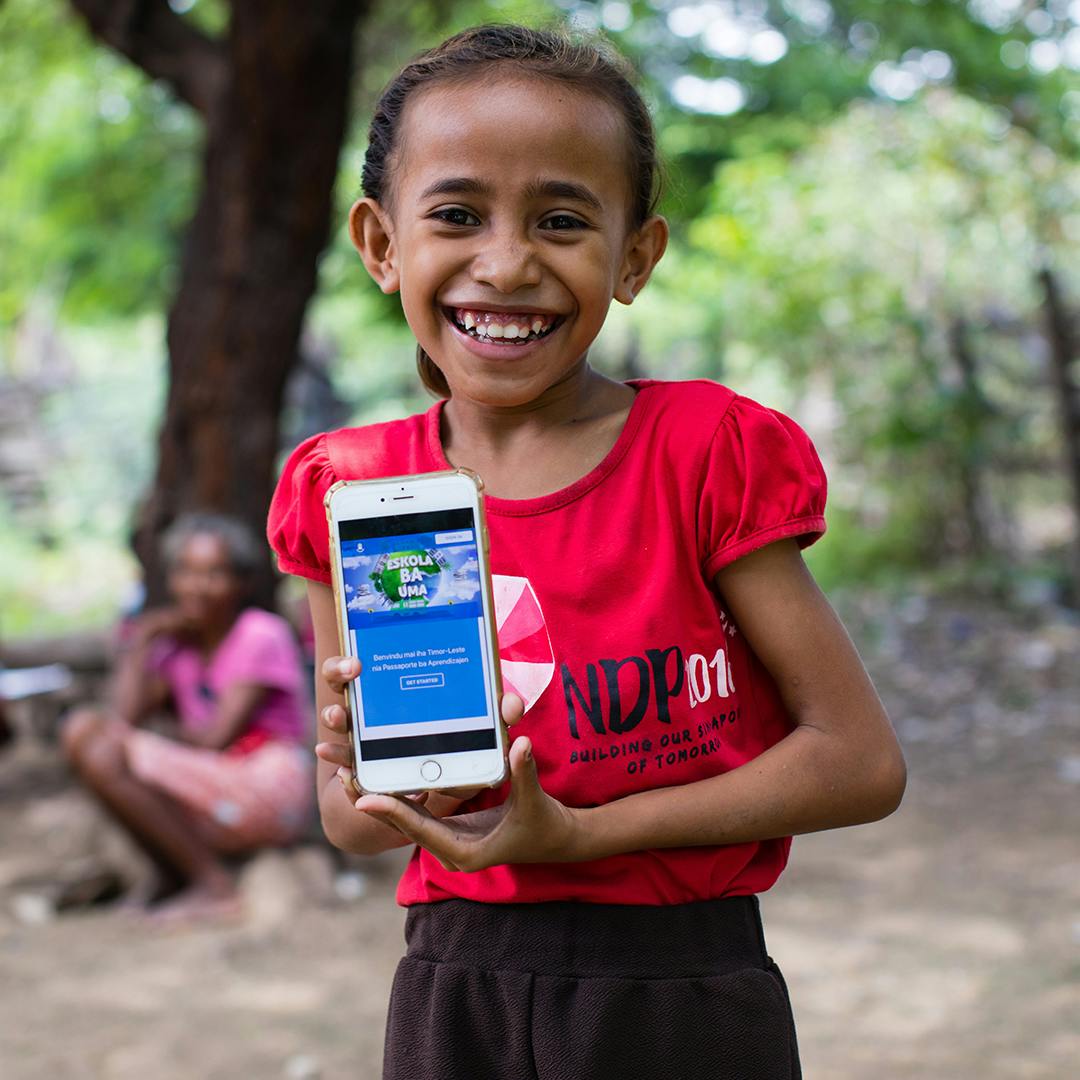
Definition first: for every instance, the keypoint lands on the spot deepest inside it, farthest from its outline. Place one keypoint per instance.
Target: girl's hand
(530, 826)
(338, 672)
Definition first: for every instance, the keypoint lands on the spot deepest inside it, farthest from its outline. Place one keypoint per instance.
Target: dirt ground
(941, 943)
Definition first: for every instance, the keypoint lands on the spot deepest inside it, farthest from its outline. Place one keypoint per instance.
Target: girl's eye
(563, 222)
(454, 215)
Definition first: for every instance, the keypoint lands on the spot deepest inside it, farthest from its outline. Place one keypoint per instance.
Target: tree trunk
(1061, 334)
(971, 413)
(274, 96)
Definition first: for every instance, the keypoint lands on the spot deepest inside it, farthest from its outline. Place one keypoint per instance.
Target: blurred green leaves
(850, 183)
(97, 172)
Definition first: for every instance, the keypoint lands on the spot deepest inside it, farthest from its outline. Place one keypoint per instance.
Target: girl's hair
(587, 64)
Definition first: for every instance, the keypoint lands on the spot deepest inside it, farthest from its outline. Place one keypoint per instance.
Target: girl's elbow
(351, 841)
(890, 781)
(336, 820)
(338, 838)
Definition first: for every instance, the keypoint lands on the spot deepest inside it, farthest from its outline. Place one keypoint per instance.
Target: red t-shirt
(634, 676)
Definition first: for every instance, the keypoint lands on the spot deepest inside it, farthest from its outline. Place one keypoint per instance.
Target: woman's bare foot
(148, 893)
(200, 902)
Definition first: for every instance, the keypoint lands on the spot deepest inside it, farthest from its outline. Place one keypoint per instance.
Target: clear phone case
(485, 580)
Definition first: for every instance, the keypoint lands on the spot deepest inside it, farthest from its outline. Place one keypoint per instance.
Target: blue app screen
(415, 617)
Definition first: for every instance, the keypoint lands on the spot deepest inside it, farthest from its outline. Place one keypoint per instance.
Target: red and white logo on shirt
(525, 654)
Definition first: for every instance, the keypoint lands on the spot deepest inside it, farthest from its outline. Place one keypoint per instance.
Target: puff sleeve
(296, 527)
(762, 481)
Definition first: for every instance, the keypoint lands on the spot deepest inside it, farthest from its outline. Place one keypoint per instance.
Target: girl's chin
(495, 394)
(504, 390)
(504, 376)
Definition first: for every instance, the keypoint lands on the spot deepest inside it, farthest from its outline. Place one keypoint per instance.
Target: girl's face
(507, 234)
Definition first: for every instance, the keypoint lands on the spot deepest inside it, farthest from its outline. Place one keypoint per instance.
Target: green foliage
(97, 167)
(48, 590)
(209, 16)
(65, 563)
(852, 184)
(849, 267)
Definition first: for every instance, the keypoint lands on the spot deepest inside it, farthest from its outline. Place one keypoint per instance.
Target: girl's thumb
(522, 763)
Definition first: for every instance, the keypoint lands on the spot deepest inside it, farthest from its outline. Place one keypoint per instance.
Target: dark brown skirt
(569, 991)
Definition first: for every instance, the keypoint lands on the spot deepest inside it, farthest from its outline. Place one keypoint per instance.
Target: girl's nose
(506, 264)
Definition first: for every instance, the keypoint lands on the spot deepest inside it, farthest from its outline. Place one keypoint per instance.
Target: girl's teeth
(485, 326)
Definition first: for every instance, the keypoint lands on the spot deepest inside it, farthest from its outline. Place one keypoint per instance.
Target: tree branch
(165, 46)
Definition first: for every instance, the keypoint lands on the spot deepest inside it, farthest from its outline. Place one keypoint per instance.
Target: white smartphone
(412, 589)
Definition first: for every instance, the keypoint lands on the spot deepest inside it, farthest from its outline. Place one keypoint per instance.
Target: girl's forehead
(499, 127)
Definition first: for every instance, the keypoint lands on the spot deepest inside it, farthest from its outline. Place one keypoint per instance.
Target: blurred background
(875, 210)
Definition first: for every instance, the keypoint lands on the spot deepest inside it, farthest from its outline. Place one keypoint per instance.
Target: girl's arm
(840, 766)
(344, 827)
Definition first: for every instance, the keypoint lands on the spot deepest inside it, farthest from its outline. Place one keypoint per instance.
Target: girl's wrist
(578, 841)
(598, 832)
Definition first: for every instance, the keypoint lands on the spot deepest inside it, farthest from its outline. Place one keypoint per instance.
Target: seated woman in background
(232, 772)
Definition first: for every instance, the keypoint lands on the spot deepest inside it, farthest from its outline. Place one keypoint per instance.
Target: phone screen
(415, 614)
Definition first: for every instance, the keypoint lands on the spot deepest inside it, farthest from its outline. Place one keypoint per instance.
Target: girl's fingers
(335, 753)
(409, 816)
(462, 794)
(353, 789)
(390, 806)
(513, 709)
(335, 718)
(524, 783)
(339, 671)
(444, 860)
(348, 782)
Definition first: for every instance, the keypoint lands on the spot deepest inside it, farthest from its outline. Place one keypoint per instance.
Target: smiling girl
(692, 702)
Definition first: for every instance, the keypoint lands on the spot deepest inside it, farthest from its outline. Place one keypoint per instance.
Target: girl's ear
(372, 235)
(643, 251)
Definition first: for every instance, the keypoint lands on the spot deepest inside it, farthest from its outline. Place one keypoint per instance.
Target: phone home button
(431, 771)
